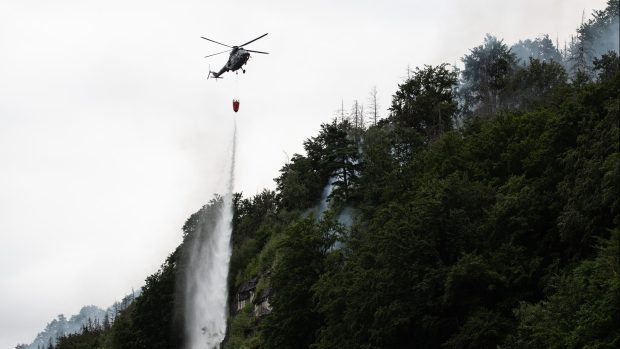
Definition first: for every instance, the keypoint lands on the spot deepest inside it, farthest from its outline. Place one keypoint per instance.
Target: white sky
(110, 135)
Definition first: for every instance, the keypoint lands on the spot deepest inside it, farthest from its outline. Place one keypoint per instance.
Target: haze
(111, 136)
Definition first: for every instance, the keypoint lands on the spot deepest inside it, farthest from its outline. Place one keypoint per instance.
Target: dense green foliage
(581, 308)
(485, 214)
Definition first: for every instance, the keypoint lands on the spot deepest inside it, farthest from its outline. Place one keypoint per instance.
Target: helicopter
(238, 57)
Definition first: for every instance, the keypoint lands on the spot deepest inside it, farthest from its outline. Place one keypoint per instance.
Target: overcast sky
(110, 135)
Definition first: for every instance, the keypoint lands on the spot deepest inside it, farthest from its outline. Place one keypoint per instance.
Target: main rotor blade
(216, 42)
(251, 41)
(217, 53)
(258, 52)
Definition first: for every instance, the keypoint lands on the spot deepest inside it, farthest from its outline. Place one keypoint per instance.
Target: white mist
(206, 288)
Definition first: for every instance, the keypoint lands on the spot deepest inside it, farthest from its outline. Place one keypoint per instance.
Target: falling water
(206, 280)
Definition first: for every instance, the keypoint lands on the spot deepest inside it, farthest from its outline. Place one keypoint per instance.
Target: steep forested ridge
(483, 212)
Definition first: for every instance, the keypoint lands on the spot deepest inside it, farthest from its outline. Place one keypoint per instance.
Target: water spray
(206, 288)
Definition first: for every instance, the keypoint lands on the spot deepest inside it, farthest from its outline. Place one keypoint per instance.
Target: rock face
(247, 294)
(262, 305)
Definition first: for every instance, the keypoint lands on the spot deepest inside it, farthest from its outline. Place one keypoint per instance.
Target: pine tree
(106, 322)
(373, 105)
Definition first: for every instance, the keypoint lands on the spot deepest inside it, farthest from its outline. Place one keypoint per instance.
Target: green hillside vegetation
(484, 213)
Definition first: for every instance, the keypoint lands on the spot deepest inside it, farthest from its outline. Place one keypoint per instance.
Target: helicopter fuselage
(237, 59)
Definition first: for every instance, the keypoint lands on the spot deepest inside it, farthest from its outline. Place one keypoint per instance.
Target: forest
(482, 212)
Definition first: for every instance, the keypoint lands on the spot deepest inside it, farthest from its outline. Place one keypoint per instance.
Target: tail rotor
(212, 73)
